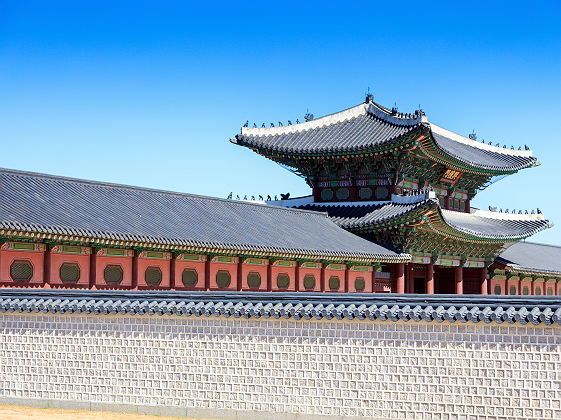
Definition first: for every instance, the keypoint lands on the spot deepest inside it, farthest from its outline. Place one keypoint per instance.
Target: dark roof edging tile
(383, 307)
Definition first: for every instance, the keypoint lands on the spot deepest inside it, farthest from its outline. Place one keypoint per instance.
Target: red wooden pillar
(410, 279)
(483, 280)
(429, 278)
(400, 277)
(459, 276)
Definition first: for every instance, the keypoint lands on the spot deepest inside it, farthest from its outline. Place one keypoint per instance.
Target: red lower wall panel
(153, 270)
(498, 286)
(107, 265)
(223, 273)
(69, 266)
(513, 286)
(334, 278)
(255, 274)
(310, 277)
(526, 286)
(360, 279)
(33, 257)
(189, 272)
(283, 276)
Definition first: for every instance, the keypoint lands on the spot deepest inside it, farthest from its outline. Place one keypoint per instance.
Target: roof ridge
(329, 119)
(474, 143)
(154, 190)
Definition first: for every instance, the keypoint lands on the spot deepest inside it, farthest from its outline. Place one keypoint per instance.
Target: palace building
(390, 211)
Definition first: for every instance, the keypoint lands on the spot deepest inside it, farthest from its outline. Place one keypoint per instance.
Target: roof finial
(308, 116)
(369, 96)
(472, 135)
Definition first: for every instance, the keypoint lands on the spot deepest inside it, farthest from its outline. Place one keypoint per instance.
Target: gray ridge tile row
(307, 306)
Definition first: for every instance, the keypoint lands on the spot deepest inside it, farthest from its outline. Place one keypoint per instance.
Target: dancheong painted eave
(45, 207)
(370, 127)
(299, 306)
(476, 225)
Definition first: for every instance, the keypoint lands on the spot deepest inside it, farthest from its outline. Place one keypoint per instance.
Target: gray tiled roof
(492, 226)
(382, 307)
(360, 215)
(50, 204)
(495, 227)
(369, 125)
(529, 256)
(360, 132)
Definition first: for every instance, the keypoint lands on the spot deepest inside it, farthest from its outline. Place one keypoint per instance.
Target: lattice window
(189, 277)
(254, 280)
(360, 284)
(309, 281)
(153, 276)
(113, 274)
(334, 283)
(283, 281)
(223, 278)
(21, 271)
(69, 273)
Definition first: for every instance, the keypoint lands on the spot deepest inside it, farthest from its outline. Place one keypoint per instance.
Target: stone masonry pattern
(390, 370)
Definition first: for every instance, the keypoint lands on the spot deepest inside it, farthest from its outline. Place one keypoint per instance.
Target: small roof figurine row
(473, 136)
(494, 209)
(260, 197)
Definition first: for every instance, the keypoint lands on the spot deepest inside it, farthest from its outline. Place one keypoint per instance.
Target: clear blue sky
(149, 93)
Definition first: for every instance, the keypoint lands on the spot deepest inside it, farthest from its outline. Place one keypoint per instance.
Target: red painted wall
(303, 271)
(189, 262)
(146, 260)
(513, 281)
(101, 261)
(218, 264)
(8, 255)
(354, 273)
(332, 271)
(500, 283)
(60, 255)
(284, 267)
(256, 266)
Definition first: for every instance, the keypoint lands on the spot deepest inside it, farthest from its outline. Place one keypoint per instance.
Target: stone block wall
(246, 368)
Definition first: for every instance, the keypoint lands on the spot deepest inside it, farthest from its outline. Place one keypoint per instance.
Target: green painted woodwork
(113, 252)
(334, 282)
(255, 261)
(154, 254)
(309, 264)
(23, 246)
(71, 249)
(336, 267)
(21, 270)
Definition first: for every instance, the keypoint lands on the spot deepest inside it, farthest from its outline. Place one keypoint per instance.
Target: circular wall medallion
(69, 273)
(21, 271)
(360, 284)
(381, 193)
(334, 283)
(342, 193)
(223, 278)
(190, 277)
(254, 280)
(365, 193)
(283, 281)
(113, 274)
(309, 281)
(326, 195)
(153, 276)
